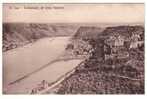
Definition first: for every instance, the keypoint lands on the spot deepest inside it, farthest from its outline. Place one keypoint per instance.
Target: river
(21, 61)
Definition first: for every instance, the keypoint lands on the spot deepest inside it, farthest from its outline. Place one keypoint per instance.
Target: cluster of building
(113, 42)
(79, 48)
(118, 46)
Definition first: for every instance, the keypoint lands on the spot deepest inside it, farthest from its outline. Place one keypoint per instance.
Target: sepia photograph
(73, 48)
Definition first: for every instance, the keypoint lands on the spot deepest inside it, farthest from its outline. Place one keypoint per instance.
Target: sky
(74, 13)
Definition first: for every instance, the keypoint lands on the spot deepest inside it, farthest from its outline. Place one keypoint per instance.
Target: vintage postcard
(73, 48)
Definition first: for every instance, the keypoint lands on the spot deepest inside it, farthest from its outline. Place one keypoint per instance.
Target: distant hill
(88, 32)
(17, 34)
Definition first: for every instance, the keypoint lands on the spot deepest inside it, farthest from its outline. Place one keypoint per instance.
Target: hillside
(115, 65)
(19, 34)
(87, 32)
(79, 45)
